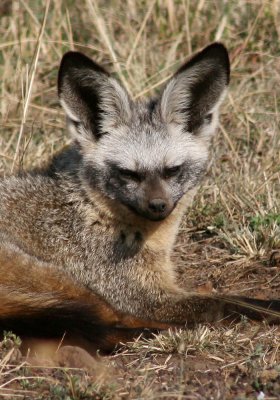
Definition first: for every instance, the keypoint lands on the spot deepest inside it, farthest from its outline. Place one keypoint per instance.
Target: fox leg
(36, 297)
(37, 300)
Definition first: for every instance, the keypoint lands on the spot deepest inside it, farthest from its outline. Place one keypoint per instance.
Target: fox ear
(192, 97)
(94, 101)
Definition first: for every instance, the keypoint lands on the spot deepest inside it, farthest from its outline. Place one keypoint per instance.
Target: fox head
(145, 155)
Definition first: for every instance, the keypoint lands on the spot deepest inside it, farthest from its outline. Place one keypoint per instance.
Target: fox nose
(157, 206)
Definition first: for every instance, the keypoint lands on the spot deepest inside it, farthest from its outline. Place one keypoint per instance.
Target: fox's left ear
(192, 97)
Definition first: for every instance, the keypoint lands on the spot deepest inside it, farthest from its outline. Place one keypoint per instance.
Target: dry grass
(230, 239)
(232, 362)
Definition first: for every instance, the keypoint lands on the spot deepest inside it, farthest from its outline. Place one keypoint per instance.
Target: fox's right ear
(93, 100)
(192, 97)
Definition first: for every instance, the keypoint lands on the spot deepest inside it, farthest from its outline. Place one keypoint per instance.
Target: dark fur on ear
(90, 96)
(78, 89)
(215, 52)
(76, 60)
(197, 88)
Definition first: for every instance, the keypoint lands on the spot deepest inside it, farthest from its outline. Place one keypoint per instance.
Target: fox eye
(130, 175)
(171, 172)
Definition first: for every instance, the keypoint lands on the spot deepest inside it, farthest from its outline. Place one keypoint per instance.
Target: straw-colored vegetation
(230, 238)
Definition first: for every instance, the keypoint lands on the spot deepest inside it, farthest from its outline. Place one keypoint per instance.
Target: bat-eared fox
(86, 242)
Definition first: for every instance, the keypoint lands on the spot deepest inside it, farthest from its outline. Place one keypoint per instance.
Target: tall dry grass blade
(70, 32)
(139, 34)
(30, 86)
(171, 13)
(250, 34)
(221, 28)
(276, 15)
(38, 26)
(187, 25)
(100, 23)
(229, 141)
